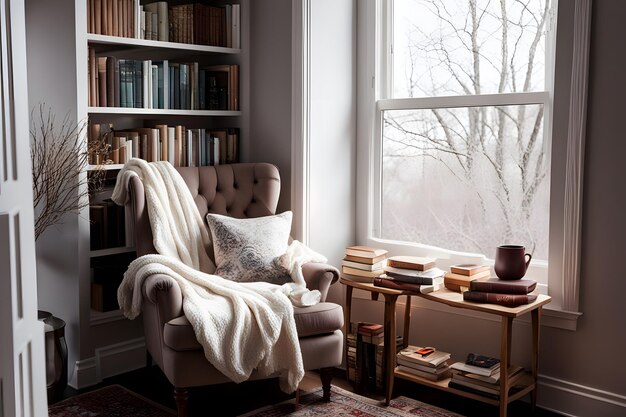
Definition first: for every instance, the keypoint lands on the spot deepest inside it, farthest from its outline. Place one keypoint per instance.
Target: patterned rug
(345, 403)
(111, 401)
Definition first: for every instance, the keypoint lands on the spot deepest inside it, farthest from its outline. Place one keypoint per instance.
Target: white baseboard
(577, 400)
(109, 361)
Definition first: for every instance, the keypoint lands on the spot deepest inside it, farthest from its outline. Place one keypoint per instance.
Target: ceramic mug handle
(529, 258)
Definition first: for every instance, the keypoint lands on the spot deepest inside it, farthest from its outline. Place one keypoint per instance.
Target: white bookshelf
(120, 42)
(161, 112)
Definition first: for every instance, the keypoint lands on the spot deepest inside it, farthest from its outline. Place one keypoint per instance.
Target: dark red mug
(511, 262)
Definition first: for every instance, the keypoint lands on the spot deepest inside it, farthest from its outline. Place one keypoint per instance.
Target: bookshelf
(512, 387)
(124, 48)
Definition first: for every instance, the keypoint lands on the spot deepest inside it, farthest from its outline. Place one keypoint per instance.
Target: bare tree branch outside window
(471, 178)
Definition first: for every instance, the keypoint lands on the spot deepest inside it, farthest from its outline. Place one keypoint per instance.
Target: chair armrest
(320, 277)
(162, 293)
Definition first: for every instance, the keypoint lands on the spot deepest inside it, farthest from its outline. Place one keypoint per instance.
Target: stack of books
(509, 293)
(460, 276)
(481, 375)
(366, 354)
(411, 273)
(427, 363)
(363, 263)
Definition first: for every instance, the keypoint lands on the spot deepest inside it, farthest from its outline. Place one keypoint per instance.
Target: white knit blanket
(241, 326)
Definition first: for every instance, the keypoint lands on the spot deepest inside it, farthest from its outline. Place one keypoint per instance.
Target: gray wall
(270, 89)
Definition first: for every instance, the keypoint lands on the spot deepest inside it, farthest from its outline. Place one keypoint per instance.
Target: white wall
(332, 146)
(52, 79)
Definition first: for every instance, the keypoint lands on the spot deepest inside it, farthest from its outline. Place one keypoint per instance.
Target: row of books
(151, 84)
(476, 284)
(179, 145)
(363, 263)
(365, 345)
(106, 225)
(195, 23)
(107, 273)
(411, 273)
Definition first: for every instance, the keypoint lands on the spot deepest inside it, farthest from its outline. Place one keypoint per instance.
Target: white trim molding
(571, 399)
(300, 118)
(575, 157)
(109, 361)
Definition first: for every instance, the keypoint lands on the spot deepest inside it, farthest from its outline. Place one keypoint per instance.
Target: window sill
(560, 319)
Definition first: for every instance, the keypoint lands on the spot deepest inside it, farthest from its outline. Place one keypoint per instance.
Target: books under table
(433, 360)
(462, 366)
(482, 385)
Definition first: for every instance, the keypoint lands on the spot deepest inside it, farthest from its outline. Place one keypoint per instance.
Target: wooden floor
(232, 399)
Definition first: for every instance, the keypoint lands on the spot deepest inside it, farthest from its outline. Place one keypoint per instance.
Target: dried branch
(59, 159)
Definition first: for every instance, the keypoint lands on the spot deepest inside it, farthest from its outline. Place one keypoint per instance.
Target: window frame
(373, 88)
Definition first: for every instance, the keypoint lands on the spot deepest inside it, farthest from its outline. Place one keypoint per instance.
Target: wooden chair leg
(326, 375)
(181, 395)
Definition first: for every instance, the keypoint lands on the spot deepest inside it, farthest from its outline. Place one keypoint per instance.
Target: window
(455, 130)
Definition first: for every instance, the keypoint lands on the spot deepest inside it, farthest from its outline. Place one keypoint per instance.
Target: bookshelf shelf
(120, 43)
(161, 112)
(513, 387)
(110, 251)
(109, 167)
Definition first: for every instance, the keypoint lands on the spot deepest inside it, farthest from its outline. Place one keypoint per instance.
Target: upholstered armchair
(241, 191)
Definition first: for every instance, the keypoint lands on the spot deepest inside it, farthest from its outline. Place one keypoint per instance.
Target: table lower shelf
(522, 386)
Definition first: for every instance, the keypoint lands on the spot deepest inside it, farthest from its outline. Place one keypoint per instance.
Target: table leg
(505, 361)
(346, 319)
(535, 316)
(407, 322)
(390, 342)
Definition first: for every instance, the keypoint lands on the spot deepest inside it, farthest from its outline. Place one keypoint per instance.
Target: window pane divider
(481, 100)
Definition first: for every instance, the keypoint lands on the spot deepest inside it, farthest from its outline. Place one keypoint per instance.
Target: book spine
(508, 300)
(500, 287)
(402, 286)
(410, 279)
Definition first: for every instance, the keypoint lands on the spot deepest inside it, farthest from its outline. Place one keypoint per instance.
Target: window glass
(466, 179)
(461, 47)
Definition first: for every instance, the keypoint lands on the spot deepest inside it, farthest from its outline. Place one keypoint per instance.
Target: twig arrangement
(59, 159)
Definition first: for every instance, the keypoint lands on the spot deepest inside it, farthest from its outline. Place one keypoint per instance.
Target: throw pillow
(248, 250)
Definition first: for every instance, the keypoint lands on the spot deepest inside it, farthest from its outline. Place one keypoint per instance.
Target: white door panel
(22, 377)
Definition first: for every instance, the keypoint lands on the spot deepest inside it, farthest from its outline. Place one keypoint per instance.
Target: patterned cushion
(247, 250)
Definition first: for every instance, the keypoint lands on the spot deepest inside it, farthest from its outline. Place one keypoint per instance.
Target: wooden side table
(526, 381)
(391, 296)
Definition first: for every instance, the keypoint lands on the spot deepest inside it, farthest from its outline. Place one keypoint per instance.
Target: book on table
(389, 282)
(365, 260)
(464, 280)
(433, 360)
(361, 272)
(428, 277)
(411, 262)
(365, 251)
(363, 266)
(468, 269)
(507, 300)
(357, 278)
(496, 285)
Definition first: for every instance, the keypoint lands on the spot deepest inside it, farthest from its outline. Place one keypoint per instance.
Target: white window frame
(373, 87)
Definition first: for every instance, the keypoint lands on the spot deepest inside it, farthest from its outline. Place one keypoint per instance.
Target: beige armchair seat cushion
(316, 320)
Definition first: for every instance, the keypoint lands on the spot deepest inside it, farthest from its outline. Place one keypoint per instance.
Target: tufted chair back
(236, 190)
